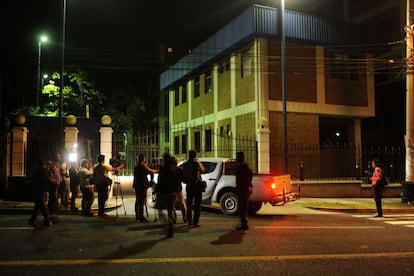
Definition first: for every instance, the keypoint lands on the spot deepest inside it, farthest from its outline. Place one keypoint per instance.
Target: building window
(224, 66)
(176, 144)
(208, 140)
(176, 96)
(196, 86)
(225, 131)
(197, 141)
(333, 136)
(167, 131)
(184, 143)
(342, 66)
(184, 93)
(166, 105)
(207, 84)
(246, 64)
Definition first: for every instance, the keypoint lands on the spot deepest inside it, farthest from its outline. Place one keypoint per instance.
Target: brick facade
(235, 107)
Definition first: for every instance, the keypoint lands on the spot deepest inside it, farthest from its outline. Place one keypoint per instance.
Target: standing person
(74, 184)
(55, 179)
(103, 182)
(183, 205)
(140, 184)
(64, 186)
(244, 177)
(88, 196)
(168, 185)
(193, 169)
(40, 180)
(376, 188)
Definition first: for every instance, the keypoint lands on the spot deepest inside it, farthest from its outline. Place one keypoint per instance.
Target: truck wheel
(254, 207)
(229, 203)
(151, 197)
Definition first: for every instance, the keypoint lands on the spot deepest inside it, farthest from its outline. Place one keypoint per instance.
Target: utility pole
(409, 134)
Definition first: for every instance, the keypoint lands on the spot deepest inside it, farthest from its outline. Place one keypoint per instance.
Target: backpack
(383, 180)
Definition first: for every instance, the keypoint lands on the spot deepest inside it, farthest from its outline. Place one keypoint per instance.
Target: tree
(129, 112)
(80, 98)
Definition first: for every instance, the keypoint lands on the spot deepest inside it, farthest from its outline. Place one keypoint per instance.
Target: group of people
(47, 181)
(49, 184)
(48, 178)
(169, 189)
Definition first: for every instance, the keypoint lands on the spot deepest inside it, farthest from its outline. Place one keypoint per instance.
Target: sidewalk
(349, 205)
(355, 205)
(15, 207)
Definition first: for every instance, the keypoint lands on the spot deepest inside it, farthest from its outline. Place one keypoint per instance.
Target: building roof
(256, 21)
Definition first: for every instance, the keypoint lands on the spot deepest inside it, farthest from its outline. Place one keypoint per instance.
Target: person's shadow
(232, 237)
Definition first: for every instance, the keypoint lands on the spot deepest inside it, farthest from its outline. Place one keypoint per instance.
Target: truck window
(230, 168)
(209, 166)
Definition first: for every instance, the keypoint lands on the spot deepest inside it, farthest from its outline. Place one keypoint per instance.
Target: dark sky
(115, 41)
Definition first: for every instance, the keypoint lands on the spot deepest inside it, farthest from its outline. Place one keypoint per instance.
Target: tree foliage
(129, 112)
(80, 98)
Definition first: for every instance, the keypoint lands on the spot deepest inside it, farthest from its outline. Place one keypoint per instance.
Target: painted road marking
(398, 222)
(319, 227)
(17, 228)
(208, 259)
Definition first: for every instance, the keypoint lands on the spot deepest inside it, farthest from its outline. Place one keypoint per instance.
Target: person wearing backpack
(377, 187)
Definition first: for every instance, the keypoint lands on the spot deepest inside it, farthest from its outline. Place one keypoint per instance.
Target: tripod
(117, 190)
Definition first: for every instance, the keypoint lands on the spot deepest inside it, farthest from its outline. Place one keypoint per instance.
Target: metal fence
(305, 161)
(129, 147)
(312, 162)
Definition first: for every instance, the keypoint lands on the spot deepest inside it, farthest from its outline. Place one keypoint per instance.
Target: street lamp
(283, 77)
(39, 57)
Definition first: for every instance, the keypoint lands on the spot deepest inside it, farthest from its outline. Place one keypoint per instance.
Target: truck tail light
(273, 186)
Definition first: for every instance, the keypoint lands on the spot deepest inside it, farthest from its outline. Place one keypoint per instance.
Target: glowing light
(73, 157)
(273, 186)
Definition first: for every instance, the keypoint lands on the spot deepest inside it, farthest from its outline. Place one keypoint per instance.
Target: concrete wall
(342, 189)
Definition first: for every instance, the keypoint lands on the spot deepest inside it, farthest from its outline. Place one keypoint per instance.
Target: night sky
(115, 41)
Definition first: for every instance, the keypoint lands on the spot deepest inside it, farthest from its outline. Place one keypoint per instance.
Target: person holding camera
(140, 184)
(103, 182)
(192, 170)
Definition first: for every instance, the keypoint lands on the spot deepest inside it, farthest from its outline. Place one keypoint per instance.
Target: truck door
(210, 176)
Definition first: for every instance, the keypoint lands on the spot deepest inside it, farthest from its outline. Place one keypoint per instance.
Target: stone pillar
(263, 147)
(19, 149)
(71, 138)
(106, 142)
(71, 134)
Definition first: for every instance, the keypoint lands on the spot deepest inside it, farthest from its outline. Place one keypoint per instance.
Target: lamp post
(62, 68)
(45, 76)
(39, 57)
(283, 77)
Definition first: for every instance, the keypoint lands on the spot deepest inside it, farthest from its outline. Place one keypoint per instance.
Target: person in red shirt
(377, 189)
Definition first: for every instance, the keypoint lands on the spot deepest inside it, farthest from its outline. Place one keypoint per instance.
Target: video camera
(116, 163)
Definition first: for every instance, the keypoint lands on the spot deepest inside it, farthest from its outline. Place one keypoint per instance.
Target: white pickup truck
(221, 183)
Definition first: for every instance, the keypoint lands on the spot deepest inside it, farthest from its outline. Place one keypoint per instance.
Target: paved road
(288, 240)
